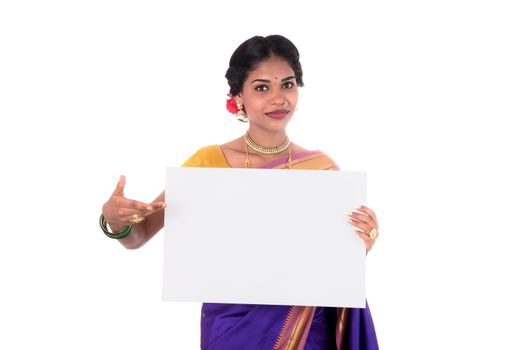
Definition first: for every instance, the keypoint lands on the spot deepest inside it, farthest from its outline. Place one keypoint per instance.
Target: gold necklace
(248, 163)
(266, 150)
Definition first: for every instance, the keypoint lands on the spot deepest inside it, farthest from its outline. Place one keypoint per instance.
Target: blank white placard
(263, 236)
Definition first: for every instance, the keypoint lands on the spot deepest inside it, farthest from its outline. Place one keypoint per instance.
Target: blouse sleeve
(208, 157)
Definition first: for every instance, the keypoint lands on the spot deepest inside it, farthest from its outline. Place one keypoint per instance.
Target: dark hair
(252, 51)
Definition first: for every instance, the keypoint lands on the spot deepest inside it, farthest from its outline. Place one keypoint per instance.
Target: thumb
(119, 190)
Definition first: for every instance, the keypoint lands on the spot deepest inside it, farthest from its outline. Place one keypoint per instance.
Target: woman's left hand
(366, 224)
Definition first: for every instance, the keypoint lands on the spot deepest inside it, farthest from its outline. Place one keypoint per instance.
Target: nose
(280, 101)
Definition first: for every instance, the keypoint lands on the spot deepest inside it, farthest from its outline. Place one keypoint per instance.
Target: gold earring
(241, 114)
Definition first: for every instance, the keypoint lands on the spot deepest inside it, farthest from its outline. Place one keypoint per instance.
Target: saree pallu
(274, 327)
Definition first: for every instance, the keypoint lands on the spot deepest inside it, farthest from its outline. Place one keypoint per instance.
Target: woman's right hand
(118, 210)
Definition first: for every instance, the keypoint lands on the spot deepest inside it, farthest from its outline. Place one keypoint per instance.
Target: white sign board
(263, 236)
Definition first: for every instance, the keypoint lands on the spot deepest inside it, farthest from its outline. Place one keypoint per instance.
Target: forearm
(118, 211)
(144, 231)
(135, 239)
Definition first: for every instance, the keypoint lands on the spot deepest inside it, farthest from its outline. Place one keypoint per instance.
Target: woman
(264, 75)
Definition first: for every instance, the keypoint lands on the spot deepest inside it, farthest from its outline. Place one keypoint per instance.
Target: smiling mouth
(278, 114)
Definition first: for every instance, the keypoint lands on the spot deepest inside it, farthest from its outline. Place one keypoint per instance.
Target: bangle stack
(118, 235)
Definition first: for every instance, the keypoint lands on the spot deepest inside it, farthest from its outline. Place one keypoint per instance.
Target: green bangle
(118, 235)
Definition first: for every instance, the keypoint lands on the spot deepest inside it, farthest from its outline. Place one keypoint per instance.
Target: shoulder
(306, 159)
(329, 163)
(209, 156)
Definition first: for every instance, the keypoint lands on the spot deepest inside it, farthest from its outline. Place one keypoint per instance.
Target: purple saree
(272, 327)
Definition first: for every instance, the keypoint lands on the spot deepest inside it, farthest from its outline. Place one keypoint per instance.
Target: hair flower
(231, 104)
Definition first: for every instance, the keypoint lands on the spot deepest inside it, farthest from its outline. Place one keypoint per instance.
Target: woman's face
(270, 95)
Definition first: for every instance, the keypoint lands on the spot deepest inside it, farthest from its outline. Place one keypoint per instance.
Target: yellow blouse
(213, 157)
(208, 157)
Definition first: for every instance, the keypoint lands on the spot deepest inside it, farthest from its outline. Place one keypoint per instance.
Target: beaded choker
(266, 150)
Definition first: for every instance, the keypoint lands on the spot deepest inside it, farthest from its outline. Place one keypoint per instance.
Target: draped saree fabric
(244, 326)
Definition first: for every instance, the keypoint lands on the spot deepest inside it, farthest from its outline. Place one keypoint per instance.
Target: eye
(288, 85)
(261, 88)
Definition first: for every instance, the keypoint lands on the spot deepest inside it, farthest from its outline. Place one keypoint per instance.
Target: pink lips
(278, 114)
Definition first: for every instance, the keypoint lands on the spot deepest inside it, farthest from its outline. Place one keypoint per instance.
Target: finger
(361, 216)
(152, 211)
(359, 224)
(370, 212)
(124, 215)
(157, 206)
(133, 204)
(356, 216)
(153, 208)
(125, 206)
(119, 190)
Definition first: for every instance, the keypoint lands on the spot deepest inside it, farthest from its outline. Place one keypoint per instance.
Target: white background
(425, 96)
